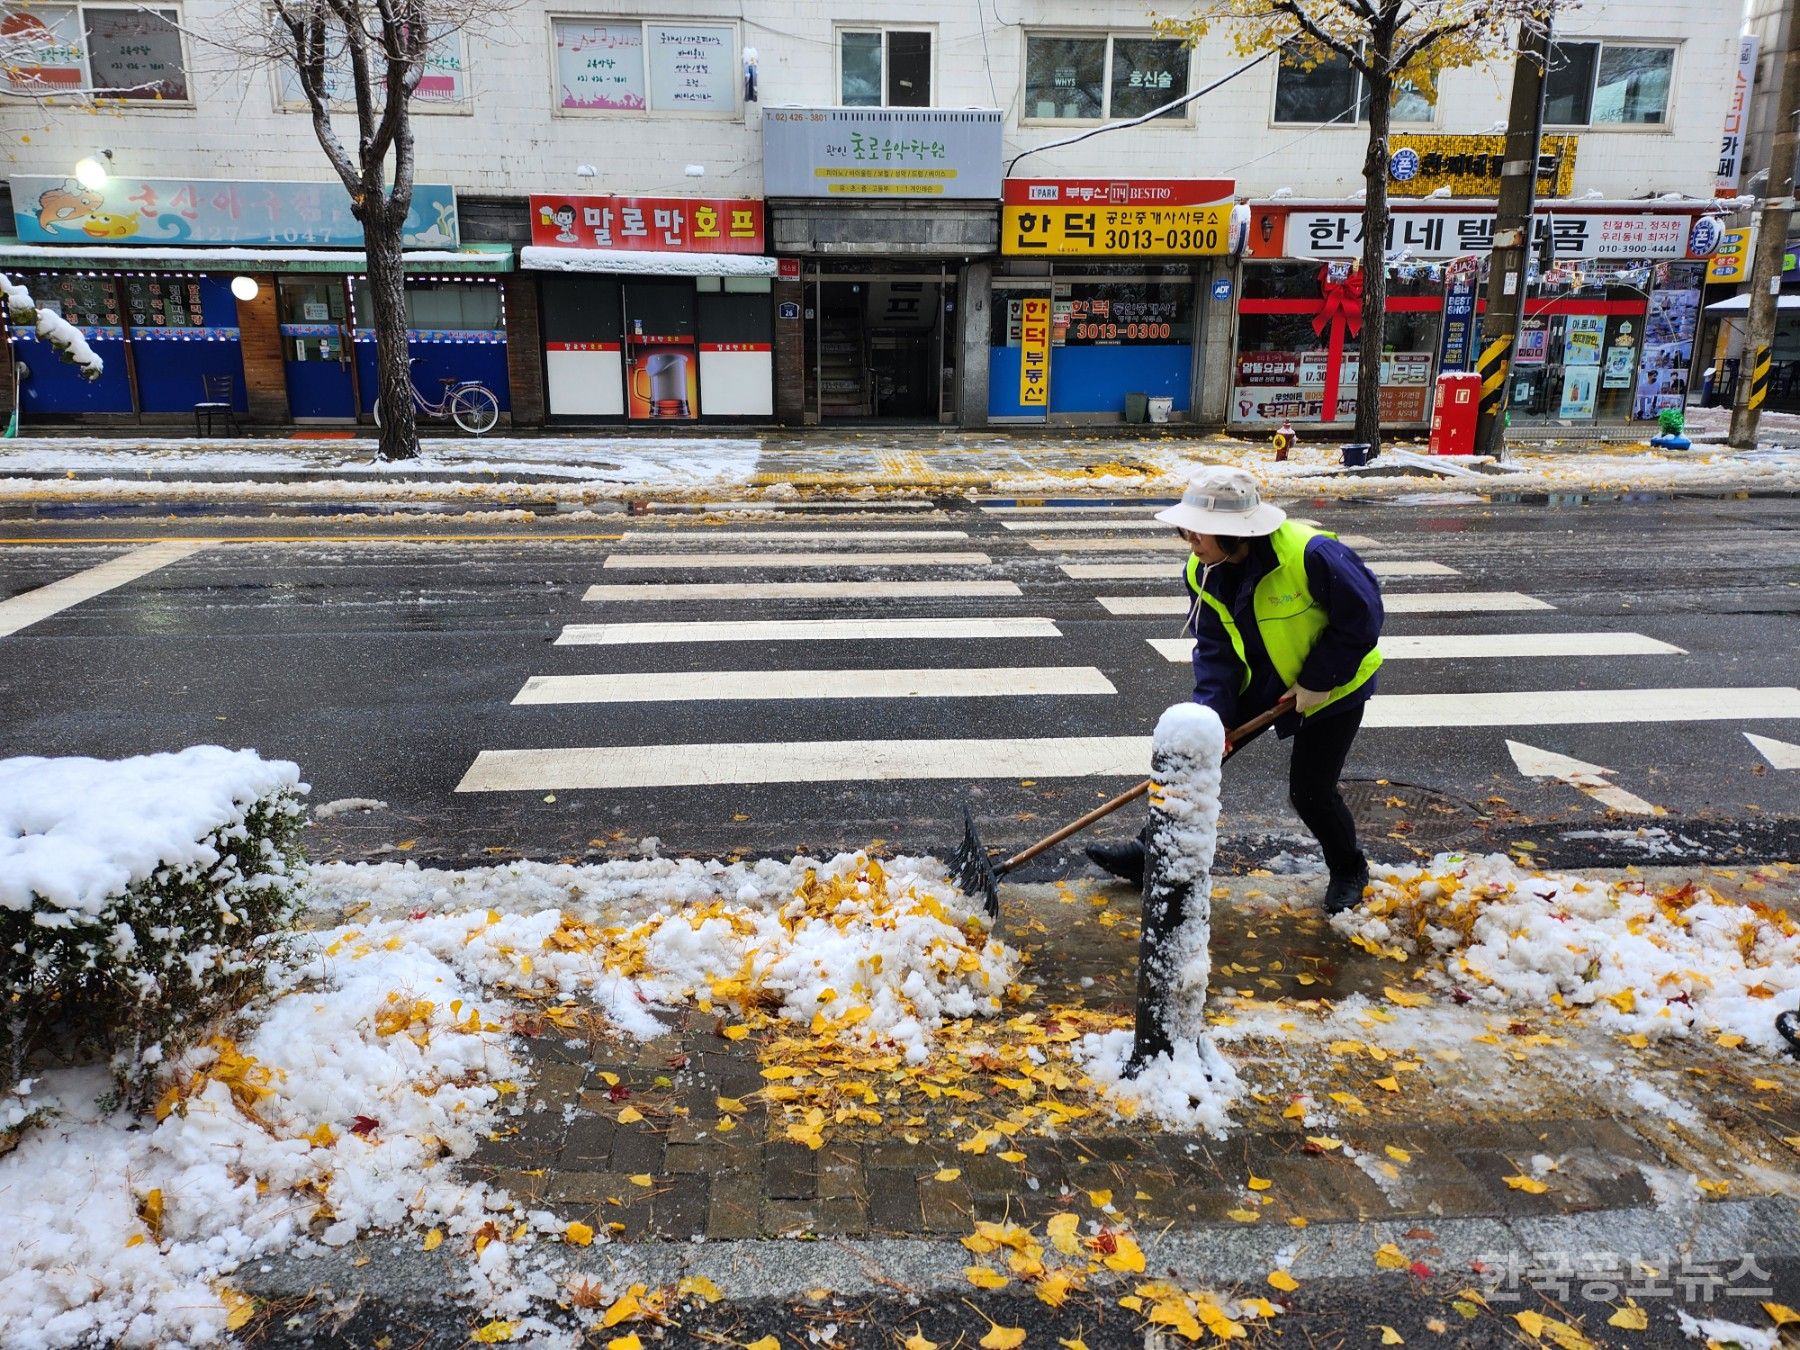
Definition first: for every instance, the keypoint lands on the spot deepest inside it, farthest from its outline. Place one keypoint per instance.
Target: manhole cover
(1407, 814)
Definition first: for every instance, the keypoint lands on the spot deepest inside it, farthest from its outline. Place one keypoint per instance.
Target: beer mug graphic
(662, 382)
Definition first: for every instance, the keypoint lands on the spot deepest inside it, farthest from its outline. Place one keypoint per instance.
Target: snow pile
(76, 832)
(1646, 962)
(64, 337)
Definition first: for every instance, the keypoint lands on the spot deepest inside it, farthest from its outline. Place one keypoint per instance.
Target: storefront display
(1668, 347)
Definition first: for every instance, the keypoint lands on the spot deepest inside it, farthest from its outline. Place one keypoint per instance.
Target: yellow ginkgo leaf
(1532, 1322)
(642, 1179)
(1629, 1318)
(623, 1308)
(984, 1277)
(630, 1116)
(1390, 1337)
(738, 1033)
(1399, 1155)
(1390, 1257)
(579, 1234)
(690, 1286)
(1062, 1233)
(1731, 1042)
(1530, 1185)
(1260, 1183)
(916, 1341)
(1388, 1084)
(1126, 1255)
(434, 1239)
(1242, 1215)
(239, 1307)
(731, 1106)
(1404, 999)
(1324, 1141)
(1280, 1279)
(494, 1333)
(1012, 1155)
(1071, 1343)
(1054, 1289)
(1780, 1314)
(1100, 1199)
(765, 1342)
(947, 1174)
(1003, 1338)
(630, 1342)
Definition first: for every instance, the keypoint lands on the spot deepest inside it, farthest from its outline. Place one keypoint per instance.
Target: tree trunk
(1374, 261)
(387, 297)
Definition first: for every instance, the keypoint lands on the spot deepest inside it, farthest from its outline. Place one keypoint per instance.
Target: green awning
(472, 258)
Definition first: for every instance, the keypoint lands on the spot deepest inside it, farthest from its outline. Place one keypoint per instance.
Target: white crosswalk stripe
(784, 536)
(1131, 544)
(801, 590)
(1133, 523)
(803, 630)
(1387, 570)
(1458, 646)
(701, 561)
(690, 686)
(1426, 602)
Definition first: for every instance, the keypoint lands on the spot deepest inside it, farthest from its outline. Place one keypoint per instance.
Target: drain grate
(1405, 813)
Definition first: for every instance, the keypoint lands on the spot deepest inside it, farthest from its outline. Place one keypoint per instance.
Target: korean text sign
(1034, 352)
(1184, 217)
(882, 152)
(648, 224)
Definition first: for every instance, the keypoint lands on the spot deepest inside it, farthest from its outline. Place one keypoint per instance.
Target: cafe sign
(1421, 163)
(882, 152)
(1142, 217)
(648, 224)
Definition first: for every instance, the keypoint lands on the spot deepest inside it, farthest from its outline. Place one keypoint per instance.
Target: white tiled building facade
(1641, 84)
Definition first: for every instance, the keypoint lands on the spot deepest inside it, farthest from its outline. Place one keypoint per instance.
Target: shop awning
(536, 258)
(468, 258)
(1740, 304)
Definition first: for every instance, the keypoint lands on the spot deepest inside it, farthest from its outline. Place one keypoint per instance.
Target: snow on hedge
(51, 327)
(1647, 961)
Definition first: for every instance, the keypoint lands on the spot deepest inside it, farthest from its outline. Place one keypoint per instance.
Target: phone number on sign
(1177, 240)
(1111, 332)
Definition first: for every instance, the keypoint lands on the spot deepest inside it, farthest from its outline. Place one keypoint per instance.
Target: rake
(976, 874)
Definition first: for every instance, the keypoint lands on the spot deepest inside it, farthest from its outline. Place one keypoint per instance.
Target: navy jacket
(1339, 581)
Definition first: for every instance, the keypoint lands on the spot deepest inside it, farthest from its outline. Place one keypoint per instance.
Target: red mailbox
(1455, 413)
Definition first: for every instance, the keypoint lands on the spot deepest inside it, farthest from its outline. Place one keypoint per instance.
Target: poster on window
(1620, 360)
(136, 53)
(1667, 351)
(693, 67)
(664, 382)
(1274, 387)
(1533, 344)
(441, 82)
(43, 49)
(1580, 391)
(1582, 334)
(599, 66)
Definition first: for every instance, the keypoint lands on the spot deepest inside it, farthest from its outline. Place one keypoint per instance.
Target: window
(1607, 84)
(636, 65)
(1091, 79)
(1334, 91)
(440, 85)
(464, 306)
(122, 51)
(888, 67)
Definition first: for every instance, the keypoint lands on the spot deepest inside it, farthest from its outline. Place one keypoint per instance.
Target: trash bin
(1137, 407)
(1356, 454)
(1160, 408)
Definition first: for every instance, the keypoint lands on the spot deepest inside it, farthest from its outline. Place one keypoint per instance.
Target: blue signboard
(1456, 350)
(239, 212)
(1221, 289)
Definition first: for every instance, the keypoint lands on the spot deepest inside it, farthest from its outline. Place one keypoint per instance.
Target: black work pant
(1320, 747)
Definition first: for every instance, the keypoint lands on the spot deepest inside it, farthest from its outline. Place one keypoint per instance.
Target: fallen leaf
(1260, 1183)
(984, 1277)
(766, 1343)
(1003, 1338)
(731, 1106)
(737, 1033)
(434, 1239)
(1324, 1142)
(1100, 1199)
(1390, 1257)
(1399, 1155)
(1389, 1084)
(364, 1125)
(630, 1116)
(630, 1342)
(1390, 1337)
(1404, 999)
(1062, 1233)
(916, 1341)
(1053, 1289)
(493, 1333)
(1242, 1215)
(642, 1179)
(1629, 1318)
(950, 1174)
(1126, 1255)
(1530, 1185)
(239, 1307)
(1780, 1314)
(579, 1233)
(1280, 1279)
(1071, 1343)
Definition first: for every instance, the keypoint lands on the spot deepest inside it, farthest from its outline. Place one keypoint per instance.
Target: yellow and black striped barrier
(1759, 378)
(1492, 369)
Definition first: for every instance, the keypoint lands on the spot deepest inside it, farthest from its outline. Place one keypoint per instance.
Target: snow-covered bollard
(1173, 957)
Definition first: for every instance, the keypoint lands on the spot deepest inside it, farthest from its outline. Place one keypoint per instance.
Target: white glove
(1305, 700)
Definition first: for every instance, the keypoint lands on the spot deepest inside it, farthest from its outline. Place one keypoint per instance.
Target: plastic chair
(217, 392)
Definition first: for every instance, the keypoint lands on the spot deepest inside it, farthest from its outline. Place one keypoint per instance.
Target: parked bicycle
(468, 403)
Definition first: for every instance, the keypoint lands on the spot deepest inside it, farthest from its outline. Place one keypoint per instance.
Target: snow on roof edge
(539, 258)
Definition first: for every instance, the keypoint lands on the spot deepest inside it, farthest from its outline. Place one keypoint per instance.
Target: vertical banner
(1034, 352)
(1667, 350)
(1460, 276)
(1737, 119)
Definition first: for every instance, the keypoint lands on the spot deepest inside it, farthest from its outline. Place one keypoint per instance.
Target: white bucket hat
(1223, 501)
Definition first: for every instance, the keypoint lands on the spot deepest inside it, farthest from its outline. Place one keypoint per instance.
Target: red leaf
(1104, 1242)
(618, 1092)
(1420, 1235)
(1422, 1270)
(418, 914)
(364, 1125)
(1310, 1147)
(1460, 996)
(677, 1061)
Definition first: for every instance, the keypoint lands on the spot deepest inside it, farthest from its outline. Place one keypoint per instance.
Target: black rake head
(973, 871)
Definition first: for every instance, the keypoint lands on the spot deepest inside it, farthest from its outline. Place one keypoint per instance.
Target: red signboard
(1144, 192)
(648, 224)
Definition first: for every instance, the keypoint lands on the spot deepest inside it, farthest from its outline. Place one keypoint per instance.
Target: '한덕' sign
(1144, 217)
(881, 152)
(1034, 352)
(151, 211)
(660, 224)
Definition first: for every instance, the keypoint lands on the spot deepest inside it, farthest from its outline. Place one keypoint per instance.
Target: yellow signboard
(1034, 352)
(1070, 230)
(1731, 263)
(1421, 163)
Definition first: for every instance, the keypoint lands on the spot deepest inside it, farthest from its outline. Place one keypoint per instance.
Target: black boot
(1346, 890)
(1124, 860)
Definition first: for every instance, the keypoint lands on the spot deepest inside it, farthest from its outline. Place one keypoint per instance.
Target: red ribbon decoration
(1340, 310)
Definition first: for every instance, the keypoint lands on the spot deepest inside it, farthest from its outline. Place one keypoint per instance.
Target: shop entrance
(315, 343)
(877, 345)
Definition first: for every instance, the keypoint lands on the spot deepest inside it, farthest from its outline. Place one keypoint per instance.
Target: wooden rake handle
(1233, 740)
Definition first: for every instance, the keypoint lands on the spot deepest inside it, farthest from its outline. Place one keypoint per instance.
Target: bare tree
(364, 59)
(1388, 44)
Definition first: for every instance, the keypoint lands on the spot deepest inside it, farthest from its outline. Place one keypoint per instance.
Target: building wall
(506, 139)
(1769, 21)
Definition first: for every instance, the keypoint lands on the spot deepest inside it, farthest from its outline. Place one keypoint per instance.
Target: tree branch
(1305, 22)
(307, 27)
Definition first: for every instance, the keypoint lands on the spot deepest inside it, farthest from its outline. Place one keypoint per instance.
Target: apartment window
(1091, 79)
(1334, 91)
(440, 85)
(1608, 84)
(122, 51)
(888, 67)
(638, 65)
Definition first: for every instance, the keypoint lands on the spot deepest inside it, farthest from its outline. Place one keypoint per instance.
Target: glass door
(315, 342)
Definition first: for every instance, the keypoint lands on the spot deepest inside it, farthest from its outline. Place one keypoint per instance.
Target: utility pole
(1765, 269)
(1512, 232)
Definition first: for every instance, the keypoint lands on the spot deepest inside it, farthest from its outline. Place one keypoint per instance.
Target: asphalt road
(384, 655)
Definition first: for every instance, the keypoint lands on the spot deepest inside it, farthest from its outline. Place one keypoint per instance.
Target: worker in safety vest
(1278, 608)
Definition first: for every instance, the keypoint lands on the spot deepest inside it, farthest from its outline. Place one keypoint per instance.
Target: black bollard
(1173, 957)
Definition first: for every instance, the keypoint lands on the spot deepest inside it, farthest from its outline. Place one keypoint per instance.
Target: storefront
(1119, 267)
(653, 309)
(889, 215)
(1607, 332)
(241, 292)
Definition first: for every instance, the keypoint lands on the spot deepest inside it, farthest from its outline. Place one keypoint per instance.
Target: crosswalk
(864, 629)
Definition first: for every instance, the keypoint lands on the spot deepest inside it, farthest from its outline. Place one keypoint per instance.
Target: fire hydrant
(1283, 441)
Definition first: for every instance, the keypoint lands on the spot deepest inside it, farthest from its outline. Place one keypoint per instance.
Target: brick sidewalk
(1483, 1094)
